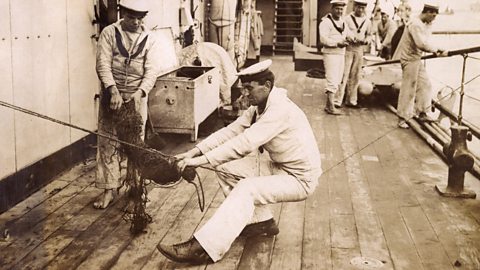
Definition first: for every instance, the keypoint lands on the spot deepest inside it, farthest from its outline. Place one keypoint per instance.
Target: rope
(8, 105)
(150, 150)
(201, 201)
(392, 129)
(475, 58)
(472, 97)
(17, 108)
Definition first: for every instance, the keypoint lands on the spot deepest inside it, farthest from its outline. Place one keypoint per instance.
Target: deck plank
(64, 235)
(119, 241)
(317, 234)
(37, 225)
(232, 257)
(371, 239)
(183, 225)
(426, 242)
(87, 241)
(377, 202)
(35, 208)
(458, 247)
(257, 251)
(287, 251)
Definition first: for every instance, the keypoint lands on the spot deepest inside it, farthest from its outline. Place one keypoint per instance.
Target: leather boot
(187, 252)
(330, 107)
(264, 228)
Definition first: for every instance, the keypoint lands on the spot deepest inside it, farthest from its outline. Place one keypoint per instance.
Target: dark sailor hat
(255, 72)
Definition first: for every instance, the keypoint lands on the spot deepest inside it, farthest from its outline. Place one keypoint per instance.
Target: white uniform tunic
(112, 69)
(291, 173)
(358, 29)
(332, 32)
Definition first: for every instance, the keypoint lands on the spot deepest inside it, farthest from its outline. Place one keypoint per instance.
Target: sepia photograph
(240, 134)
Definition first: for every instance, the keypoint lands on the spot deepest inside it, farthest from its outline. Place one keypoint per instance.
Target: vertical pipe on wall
(112, 14)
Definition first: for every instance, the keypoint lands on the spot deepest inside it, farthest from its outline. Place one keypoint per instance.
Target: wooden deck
(379, 203)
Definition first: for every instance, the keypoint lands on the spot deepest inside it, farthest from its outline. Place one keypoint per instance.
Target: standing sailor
(385, 31)
(127, 69)
(416, 91)
(333, 36)
(358, 31)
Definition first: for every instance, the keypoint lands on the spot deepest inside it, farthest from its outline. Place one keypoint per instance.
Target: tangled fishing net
(143, 163)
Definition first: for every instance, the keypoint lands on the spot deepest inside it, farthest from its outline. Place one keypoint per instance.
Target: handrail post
(462, 90)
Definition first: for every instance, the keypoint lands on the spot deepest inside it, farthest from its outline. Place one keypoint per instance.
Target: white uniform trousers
(334, 64)
(108, 157)
(260, 183)
(351, 77)
(415, 92)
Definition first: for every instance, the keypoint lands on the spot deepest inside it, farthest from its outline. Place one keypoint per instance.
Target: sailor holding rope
(249, 177)
(127, 68)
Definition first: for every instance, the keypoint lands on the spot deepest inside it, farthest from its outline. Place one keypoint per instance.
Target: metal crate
(183, 98)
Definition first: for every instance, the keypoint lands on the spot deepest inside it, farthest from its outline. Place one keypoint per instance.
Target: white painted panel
(156, 15)
(83, 81)
(163, 13)
(40, 77)
(7, 130)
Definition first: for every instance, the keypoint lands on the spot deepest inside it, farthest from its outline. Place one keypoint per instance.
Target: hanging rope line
(8, 105)
(391, 130)
(140, 188)
(107, 136)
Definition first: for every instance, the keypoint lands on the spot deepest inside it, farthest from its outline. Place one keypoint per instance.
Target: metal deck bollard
(459, 161)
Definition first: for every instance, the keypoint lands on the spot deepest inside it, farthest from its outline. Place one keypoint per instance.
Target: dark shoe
(333, 111)
(264, 228)
(187, 252)
(423, 117)
(330, 106)
(355, 106)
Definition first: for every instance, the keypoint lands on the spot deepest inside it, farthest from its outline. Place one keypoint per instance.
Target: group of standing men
(343, 39)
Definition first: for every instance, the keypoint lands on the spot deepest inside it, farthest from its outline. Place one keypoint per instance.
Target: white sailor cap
(255, 72)
(338, 2)
(431, 4)
(360, 2)
(387, 9)
(140, 6)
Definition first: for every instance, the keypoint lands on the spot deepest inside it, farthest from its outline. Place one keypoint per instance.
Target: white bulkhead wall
(47, 65)
(7, 135)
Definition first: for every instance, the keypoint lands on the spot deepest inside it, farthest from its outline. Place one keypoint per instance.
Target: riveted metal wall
(47, 63)
(40, 77)
(7, 136)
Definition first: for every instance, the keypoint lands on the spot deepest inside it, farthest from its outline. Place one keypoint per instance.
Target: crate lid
(164, 36)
